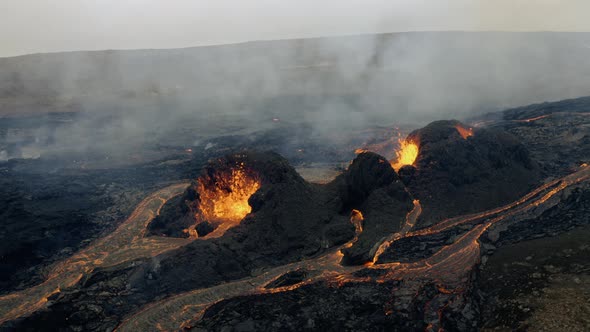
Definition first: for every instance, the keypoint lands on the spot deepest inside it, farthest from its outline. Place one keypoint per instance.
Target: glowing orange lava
(406, 155)
(464, 132)
(356, 218)
(449, 267)
(534, 119)
(227, 200)
(409, 223)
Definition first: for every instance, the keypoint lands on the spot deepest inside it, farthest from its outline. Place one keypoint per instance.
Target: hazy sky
(31, 26)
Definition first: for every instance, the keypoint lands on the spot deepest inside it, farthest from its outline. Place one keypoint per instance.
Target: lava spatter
(406, 154)
(448, 266)
(224, 197)
(463, 131)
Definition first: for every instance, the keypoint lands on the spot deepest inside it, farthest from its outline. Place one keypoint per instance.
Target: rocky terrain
(457, 175)
(48, 216)
(540, 284)
(485, 230)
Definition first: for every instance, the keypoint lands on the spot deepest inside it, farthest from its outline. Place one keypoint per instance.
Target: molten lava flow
(449, 267)
(411, 218)
(464, 132)
(533, 119)
(384, 145)
(356, 218)
(126, 243)
(227, 199)
(406, 155)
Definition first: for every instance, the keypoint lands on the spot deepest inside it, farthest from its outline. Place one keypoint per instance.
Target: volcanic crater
(250, 245)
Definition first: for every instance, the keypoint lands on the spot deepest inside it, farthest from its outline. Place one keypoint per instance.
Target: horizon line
(205, 45)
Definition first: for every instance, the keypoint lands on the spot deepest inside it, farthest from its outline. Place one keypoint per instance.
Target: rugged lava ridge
(293, 222)
(463, 170)
(290, 215)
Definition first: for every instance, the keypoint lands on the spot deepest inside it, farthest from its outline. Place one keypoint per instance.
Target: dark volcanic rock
(316, 307)
(576, 105)
(413, 248)
(371, 186)
(456, 175)
(290, 221)
(368, 172)
(286, 204)
(48, 213)
(180, 213)
(324, 306)
(288, 279)
(173, 219)
(571, 211)
(538, 284)
(293, 220)
(204, 228)
(557, 134)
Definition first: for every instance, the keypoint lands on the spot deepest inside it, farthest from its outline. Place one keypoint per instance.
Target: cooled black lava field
(478, 224)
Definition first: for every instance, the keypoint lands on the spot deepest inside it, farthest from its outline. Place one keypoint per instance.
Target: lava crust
(375, 249)
(455, 175)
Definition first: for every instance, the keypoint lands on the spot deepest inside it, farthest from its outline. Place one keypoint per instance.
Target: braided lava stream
(449, 267)
(126, 243)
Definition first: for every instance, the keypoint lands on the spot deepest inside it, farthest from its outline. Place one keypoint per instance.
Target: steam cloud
(130, 99)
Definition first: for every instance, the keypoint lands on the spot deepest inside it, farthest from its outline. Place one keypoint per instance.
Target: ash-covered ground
(484, 231)
(55, 204)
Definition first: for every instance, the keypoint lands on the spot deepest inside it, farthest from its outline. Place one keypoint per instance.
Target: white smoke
(131, 100)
